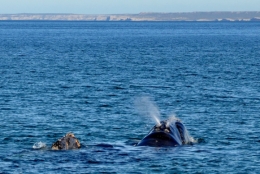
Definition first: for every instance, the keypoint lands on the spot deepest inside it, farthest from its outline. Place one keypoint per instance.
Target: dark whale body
(69, 141)
(168, 133)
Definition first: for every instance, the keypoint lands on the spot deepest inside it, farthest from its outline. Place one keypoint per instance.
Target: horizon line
(130, 13)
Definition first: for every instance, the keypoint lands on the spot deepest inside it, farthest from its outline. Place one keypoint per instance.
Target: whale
(69, 141)
(170, 132)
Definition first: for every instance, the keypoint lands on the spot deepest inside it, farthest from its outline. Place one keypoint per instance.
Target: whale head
(170, 132)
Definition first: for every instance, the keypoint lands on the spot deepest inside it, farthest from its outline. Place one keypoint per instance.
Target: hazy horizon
(124, 7)
(127, 13)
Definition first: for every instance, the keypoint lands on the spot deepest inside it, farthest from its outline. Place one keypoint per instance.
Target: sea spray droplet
(39, 145)
(145, 106)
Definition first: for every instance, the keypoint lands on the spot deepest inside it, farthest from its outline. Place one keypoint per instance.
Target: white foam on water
(39, 145)
(145, 106)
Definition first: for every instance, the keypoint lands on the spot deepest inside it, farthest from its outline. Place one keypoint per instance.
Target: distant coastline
(182, 16)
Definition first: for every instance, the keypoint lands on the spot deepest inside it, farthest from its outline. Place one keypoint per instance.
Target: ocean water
(84, 77)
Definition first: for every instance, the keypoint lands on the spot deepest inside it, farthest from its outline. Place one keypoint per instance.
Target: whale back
(69, 141)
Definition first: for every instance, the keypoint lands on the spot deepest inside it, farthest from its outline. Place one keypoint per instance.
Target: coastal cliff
(185, 16)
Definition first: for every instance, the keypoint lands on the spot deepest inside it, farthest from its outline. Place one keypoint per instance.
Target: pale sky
(124, 6)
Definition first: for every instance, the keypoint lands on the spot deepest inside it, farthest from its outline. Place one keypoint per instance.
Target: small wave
(105, 145)
(39, 145)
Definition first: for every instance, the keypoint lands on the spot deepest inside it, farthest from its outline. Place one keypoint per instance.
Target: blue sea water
(84, 77)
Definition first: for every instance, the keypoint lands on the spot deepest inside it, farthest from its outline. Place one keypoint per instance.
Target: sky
(124, 6)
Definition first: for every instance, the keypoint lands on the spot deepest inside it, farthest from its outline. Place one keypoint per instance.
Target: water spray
(145, 106)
